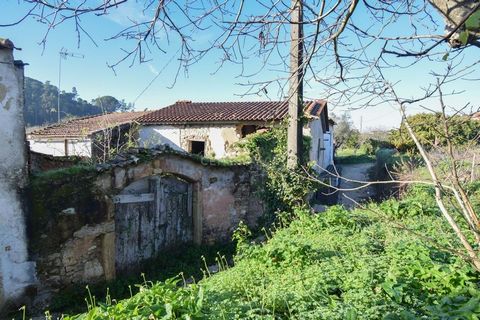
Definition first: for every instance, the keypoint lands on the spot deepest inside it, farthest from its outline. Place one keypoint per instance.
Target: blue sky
(92, 77)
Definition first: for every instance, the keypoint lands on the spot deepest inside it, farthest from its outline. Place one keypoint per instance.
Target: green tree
(428, 128)
(345, 134)
(41, 102)
(110, 104)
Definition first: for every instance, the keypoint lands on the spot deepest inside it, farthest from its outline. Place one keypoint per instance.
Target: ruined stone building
(92, 223)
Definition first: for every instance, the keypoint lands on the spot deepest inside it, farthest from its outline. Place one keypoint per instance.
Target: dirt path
(357, 172)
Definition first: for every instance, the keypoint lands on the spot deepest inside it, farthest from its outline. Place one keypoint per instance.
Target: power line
(63, 54)
(154, 78)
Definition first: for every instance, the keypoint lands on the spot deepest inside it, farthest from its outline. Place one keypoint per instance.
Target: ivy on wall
(283, 188)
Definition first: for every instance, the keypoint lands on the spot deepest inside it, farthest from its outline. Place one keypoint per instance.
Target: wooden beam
(134, 198)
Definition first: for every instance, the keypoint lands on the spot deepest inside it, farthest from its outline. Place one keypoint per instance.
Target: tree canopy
(428, 128)
(41, 100)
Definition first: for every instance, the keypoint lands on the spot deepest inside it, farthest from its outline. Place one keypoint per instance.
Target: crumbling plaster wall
(218, 138)
(16, 272)
(74, 223)
(223, 195)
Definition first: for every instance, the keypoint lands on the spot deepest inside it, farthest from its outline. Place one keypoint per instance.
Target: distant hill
(41, 104)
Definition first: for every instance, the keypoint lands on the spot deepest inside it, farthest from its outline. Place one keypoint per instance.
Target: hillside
(41, 101)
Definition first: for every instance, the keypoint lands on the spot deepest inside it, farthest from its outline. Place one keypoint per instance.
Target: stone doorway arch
(152, 214)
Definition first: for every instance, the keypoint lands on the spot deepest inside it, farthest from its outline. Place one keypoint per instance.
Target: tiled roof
(198, 112)
(83, 127)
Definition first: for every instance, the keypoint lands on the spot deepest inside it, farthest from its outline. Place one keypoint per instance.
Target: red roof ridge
(226, 111)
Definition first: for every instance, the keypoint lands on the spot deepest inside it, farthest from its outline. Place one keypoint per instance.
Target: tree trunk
(295, 94)
(454, 12)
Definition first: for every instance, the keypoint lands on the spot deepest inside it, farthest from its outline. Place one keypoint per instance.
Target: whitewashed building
(328, 144)
(83, 137)
(212, 128)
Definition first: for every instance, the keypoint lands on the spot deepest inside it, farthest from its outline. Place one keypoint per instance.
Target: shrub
(283, 188)
(428, 128)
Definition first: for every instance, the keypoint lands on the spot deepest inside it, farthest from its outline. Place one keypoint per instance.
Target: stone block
(120, 175)
(92, 270)
(104, 182)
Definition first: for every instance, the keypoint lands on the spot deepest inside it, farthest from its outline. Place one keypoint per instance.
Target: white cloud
(152, 69)
(127, 13)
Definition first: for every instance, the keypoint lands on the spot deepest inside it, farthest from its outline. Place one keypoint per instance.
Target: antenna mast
(63, 54)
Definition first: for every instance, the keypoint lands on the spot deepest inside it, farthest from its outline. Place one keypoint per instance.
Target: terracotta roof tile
(82, 127)
(195, 112)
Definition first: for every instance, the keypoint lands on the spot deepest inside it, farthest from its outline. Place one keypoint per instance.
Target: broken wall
(72, 221)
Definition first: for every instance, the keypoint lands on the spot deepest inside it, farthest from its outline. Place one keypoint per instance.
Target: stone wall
(16, 272)
(69, 225)
(72, 221)
(39, 162)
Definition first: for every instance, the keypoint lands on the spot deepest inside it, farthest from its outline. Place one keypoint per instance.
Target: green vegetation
(282, 188)
(46, 177)
(351, 156)
(428, 128)
(361, 264)
(188, 260)
(41, 103)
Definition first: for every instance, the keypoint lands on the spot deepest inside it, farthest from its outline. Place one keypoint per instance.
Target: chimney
(183, 101)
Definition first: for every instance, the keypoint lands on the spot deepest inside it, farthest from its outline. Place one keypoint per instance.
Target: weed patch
(336, 265)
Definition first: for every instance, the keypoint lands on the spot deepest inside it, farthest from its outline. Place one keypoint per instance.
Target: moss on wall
(61, 202)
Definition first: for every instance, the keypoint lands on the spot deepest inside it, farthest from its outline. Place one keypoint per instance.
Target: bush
(429, 130)
(370, 146)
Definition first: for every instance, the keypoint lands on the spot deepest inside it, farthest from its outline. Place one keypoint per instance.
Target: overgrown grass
(188, 260)
(360, 264)
(353, 156)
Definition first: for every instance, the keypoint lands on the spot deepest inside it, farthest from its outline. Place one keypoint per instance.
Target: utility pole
(295, 93)
(63, 54)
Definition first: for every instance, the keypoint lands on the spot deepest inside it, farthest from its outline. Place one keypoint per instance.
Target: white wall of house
(314, 129)
(150, 136)
(16, 272)
(218, 138)
(329, 149)
(55, 147)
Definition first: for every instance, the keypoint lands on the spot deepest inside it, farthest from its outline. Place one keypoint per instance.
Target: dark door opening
(197, 147)
(248, 129)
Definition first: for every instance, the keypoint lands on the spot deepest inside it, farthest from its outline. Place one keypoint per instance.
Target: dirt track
(358, 172)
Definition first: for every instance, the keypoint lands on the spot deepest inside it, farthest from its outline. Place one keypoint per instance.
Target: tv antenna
(63, 54)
